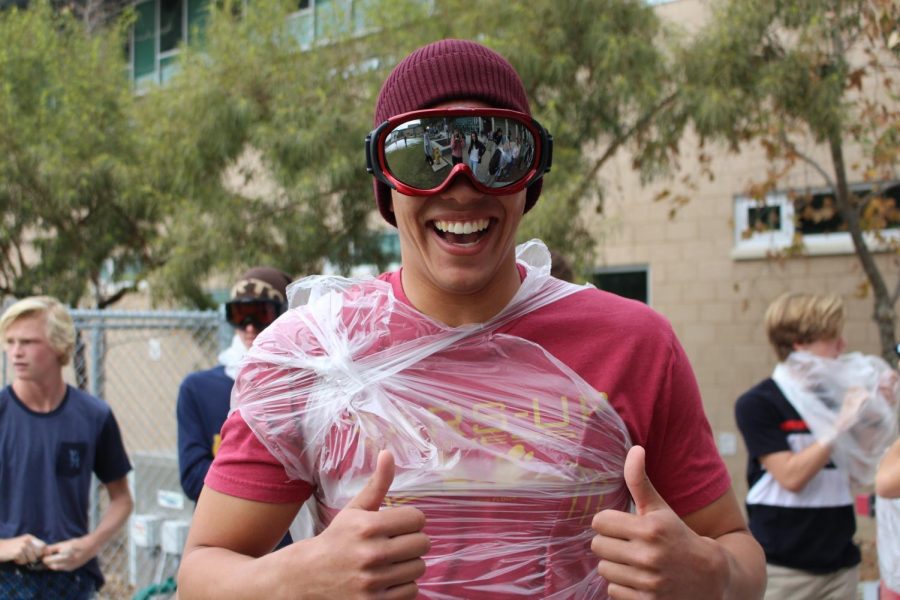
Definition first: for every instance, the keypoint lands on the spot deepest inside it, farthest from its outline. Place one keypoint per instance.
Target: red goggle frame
(419, 153)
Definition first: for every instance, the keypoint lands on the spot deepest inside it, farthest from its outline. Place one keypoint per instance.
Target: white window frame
(769, 243)
(297, 14)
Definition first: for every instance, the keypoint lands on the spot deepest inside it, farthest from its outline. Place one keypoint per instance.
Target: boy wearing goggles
(457, 225)
(256, 300)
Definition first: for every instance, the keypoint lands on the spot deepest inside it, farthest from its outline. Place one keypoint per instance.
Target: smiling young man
(53, 437)
(464, 423)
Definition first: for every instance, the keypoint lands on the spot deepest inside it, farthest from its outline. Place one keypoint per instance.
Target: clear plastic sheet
(818, 387)
(887, 517)
(507, 451)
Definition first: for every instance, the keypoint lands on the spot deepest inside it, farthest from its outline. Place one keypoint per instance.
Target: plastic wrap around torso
(507, 451)
(816, 387)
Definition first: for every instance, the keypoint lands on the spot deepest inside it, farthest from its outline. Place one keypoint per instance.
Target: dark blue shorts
(21, 583)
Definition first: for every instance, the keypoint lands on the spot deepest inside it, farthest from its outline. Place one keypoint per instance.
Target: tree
(258, 142)
(300, 114)
(781, 73)
(252, 152)
(75, 211)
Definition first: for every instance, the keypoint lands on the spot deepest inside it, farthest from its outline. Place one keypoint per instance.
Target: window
(302, 23)
(810, 218)
(628, 281)
(317, 20)
(161, 27)
(171, 30)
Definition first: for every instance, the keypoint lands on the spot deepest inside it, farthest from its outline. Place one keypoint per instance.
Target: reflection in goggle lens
(421, 152)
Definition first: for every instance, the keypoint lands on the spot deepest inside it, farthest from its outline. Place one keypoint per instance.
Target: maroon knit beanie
(449, 70)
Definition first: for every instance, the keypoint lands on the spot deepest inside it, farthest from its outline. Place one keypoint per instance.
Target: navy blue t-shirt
(810, 530)
(46, 461)
(203, 402)
(204, 398)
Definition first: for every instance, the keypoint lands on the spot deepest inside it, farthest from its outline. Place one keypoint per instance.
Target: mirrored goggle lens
(420, 153)
(260, 314)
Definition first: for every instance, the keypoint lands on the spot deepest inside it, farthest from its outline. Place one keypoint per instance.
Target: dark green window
(144, 36)
(161, 27)
(171, 30)
(198, 11)
(630, 282)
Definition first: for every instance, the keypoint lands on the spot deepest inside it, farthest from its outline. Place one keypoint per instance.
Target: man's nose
(462, 189)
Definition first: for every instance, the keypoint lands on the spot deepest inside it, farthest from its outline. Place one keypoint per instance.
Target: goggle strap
(372, 157)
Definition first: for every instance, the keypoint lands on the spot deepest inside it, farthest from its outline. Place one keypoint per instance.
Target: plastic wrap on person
(508, 452)
(818, 386)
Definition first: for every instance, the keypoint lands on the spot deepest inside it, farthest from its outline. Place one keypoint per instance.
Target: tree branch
(808, 160)
(617, 143)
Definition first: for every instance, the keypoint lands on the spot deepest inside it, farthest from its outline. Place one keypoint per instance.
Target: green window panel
(197, 14)
(629, 282)
(168, 66)
(144, 35)
(171, 26)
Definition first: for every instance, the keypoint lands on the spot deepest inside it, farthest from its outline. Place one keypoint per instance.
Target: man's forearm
(115, 516)
(746, 566)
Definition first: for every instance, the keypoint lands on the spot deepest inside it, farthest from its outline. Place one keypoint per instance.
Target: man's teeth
(462, 227)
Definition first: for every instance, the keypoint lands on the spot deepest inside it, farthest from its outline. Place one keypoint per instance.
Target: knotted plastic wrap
(508, 452)
(818, 387)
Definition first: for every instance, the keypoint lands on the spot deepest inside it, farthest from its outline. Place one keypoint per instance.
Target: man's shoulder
(595, 308)
(206, 375)
(5, 398)
(763, 396)
(83, 400)
(766, 389)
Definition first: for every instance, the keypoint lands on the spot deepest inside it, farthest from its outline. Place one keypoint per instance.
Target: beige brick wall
(715, 302)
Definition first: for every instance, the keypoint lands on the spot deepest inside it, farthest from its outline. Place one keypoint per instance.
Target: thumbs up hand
(368, 553)
(375, 490)
(652, 553)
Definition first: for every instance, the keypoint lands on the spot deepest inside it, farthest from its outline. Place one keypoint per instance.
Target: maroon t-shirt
(629, 356)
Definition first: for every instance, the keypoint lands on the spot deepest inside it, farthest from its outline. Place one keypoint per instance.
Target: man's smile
(461, 232)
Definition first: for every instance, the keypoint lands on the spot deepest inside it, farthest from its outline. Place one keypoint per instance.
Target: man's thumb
(646, 499)
(371, 496)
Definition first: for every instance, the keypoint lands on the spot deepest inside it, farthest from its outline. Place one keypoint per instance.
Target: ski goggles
(502, 151)
(259, 313)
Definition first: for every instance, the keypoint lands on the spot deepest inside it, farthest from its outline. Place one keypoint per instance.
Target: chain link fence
(135, 361)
